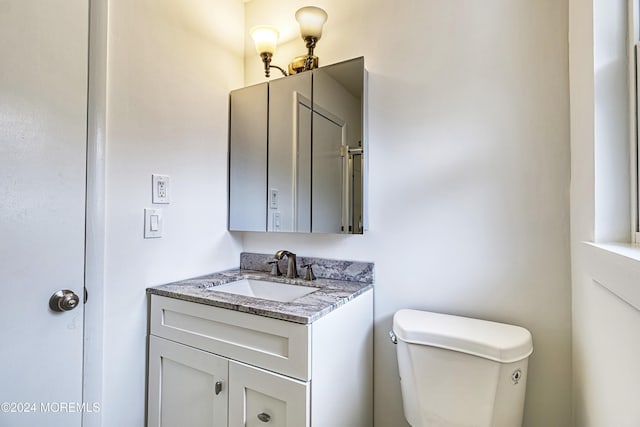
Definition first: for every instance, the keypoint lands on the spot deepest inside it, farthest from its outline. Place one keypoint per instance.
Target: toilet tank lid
(495, 341)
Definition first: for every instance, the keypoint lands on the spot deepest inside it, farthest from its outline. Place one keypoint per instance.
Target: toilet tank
(458, 371)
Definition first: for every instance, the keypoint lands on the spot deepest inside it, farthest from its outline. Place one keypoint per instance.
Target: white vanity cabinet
(211, 366)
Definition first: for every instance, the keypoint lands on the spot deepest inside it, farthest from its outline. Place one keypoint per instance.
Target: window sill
(616, 266)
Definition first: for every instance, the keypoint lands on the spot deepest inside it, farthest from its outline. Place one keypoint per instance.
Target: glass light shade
(265, 38)
(311, 20)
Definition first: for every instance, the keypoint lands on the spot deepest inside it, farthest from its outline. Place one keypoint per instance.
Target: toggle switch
(152, 223)
(276, 221)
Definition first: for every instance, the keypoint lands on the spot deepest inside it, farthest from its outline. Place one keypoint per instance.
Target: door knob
(63, 300)
(264, 417)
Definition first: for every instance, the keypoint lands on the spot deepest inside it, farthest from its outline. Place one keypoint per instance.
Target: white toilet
(457, 371)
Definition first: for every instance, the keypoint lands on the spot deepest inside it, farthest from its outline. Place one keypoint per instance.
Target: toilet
(458, 371)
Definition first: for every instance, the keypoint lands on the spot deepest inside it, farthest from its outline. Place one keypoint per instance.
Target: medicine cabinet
(298, 154)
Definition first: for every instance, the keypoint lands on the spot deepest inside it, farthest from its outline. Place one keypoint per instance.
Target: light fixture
(311, 20)
(266, 39)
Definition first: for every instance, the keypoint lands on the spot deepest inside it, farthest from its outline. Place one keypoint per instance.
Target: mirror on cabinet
(289, 155)
(297, 153)
(248, 158)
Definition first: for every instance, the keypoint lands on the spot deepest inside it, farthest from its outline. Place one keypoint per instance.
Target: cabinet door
(248, 159)
(187, 387)
(261, 398)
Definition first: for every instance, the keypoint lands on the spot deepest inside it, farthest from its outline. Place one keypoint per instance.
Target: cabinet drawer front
(260, 398)
(273, 344)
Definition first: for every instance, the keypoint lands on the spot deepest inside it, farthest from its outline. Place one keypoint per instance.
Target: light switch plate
(276, 221)
(152, 223)
(160, 188)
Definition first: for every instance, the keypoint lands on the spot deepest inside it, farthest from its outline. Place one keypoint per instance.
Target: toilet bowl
(458, 371)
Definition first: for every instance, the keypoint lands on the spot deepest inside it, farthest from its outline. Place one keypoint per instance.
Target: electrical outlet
(274, 196)
(160, 189)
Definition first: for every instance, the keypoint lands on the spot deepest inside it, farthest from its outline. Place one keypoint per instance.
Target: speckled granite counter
(339, 282)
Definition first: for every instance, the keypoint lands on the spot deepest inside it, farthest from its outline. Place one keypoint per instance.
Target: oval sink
(266, 290)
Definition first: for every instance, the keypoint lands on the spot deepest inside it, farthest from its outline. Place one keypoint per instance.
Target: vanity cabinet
(210, 366)
(191, 387)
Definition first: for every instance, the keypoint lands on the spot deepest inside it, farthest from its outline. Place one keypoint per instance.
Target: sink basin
(266, 290)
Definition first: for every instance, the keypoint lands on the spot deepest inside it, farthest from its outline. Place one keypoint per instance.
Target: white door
(43, 102)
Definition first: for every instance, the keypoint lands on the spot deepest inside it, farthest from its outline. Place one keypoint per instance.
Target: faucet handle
(309, 274)
(275, 269)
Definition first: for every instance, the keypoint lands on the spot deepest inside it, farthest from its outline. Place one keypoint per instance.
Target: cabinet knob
(218, 387)
(264, 417)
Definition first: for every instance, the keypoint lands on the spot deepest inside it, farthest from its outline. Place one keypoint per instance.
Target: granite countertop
(354, 279)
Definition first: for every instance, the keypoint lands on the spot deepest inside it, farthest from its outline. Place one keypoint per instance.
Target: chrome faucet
(292, 269)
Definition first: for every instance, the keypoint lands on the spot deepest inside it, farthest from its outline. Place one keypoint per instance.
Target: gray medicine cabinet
(298, 154)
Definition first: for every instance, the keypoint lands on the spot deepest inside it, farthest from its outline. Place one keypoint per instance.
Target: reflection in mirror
(355, 185)
(248, 158)
(303, 164)
(337, 170)
(289, 137)
(327, 171)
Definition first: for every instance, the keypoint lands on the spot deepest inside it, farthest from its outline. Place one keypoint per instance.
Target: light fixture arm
(266, 59)
(311, 45)
(284, 73)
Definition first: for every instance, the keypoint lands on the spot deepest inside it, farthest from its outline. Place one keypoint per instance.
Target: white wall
(469, 171)
(606, 298)
(171, 66)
